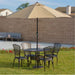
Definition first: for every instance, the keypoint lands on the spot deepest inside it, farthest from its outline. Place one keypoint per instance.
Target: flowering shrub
(67, 49)
(64, 49)
(6, 51)
(72, 47)
(10, 51)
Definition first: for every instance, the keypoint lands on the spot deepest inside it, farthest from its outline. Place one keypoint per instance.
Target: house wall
(5, 12)
(60, 30)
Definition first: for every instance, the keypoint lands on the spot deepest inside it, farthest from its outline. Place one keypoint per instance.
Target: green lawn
(65, 65)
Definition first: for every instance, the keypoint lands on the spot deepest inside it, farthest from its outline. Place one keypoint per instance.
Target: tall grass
(66, 64)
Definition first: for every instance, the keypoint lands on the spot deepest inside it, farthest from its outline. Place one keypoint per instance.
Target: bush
(6, 51)
(67, 49)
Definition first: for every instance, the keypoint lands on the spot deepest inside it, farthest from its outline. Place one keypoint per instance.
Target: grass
(66, 65)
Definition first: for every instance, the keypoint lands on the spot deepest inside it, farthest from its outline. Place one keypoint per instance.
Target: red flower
(10, 51)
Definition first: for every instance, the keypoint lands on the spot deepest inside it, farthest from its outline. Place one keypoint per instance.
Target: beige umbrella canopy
(37, 10)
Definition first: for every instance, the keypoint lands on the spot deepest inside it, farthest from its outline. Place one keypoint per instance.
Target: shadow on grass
(10, 65)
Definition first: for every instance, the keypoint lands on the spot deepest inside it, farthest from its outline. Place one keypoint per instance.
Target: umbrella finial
(37, 2)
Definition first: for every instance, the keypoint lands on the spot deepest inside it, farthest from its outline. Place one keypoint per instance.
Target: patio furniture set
(43, 54)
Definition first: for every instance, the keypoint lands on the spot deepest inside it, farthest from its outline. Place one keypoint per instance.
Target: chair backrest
(26, 45)
(47, 50)
(16, 50)
(50, 50)
(56, 47)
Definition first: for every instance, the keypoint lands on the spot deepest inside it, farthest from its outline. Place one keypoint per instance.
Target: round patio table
(35, 50)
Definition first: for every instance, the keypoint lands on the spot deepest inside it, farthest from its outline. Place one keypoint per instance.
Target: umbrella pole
(37, 53)
(37, 39)
(37, 36)
(38, 62)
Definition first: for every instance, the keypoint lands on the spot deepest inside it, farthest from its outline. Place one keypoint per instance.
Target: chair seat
(50, 55)
(21, 57)
(54, 55)
(30, 55)
(46, 59)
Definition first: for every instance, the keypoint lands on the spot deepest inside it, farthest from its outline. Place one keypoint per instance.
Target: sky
(13, 4)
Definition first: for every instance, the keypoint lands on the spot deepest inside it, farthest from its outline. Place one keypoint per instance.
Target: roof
(63, 9)
(37, 10)
(2, 10)
(5, 9)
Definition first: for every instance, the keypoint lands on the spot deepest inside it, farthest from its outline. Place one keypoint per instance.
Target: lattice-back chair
(45, 58)
(57, 47)
(16, 50)
(17, 53)
(54, 51)
(27, 45)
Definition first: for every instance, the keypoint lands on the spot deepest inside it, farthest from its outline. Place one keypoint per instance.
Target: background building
(68, 10)
(5, 12)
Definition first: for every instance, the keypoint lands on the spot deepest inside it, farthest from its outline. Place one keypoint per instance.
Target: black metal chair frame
(54, 51)
(45, 58)
(17, 53)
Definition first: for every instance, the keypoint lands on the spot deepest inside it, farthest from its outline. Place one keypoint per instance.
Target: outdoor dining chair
(54, 51)
(45, 58)
(17, 53)
(27, 45)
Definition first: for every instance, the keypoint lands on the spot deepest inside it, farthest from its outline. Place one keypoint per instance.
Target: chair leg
(52, 57)
(48, 63)
(53, 64)
(21, 62)
(27, 59)
(18, 62)
(30, 60)
(28, 63)
(44, 65)
(13, 61)
(57, 59)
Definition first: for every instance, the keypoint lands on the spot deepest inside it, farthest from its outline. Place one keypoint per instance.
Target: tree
(22, 6)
